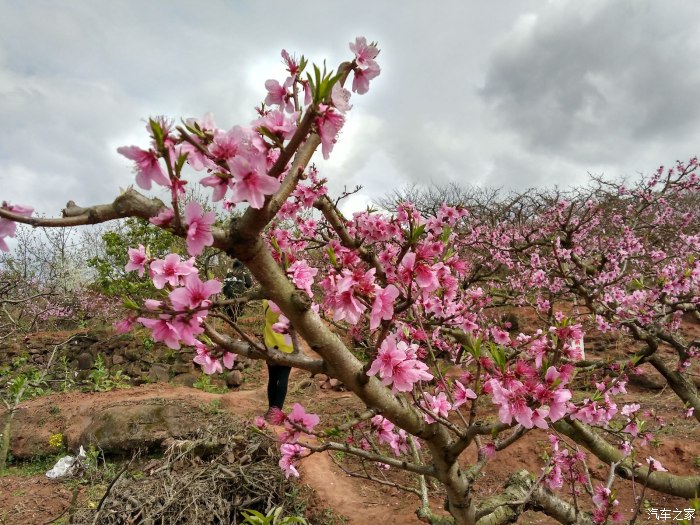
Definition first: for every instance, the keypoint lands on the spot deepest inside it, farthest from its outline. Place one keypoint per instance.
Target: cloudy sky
(512, 93)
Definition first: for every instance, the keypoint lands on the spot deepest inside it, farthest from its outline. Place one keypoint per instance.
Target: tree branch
(681, 486)
(370, 456)
(315, 366)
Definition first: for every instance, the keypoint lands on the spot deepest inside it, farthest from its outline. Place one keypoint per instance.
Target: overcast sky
(511, 93)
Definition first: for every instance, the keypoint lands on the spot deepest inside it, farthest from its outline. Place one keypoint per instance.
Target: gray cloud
(514, 94)
(598, 81)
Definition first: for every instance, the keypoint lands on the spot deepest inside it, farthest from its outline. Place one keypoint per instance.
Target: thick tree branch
(520, 494)
(129, 204)
(683, 388)
(681, 486)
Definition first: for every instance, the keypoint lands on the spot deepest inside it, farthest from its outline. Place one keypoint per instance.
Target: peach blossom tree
(443, 378)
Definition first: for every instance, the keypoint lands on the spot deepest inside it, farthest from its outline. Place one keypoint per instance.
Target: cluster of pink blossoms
(238, 160)
(297, 423)
(179, 319)
(349, 292)
(398, 365)
(386, 434)
(531, 402)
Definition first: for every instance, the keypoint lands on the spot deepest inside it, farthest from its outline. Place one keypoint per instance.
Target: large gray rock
(140, 426)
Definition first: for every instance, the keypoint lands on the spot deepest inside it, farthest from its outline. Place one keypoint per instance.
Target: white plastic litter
(65, 466)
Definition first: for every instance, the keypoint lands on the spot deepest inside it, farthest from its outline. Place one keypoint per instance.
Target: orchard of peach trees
(460, 318)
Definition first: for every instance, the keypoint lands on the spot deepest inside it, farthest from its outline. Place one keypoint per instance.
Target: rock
(335, 384)
(159, 373)
(244, 361)
(120, 429)
(133, 354)
(187, 380)
(85, 361)
(133, 369)
(185, 357)
(234, 379)
(321, 378)
(118, 359)
(180, 368)
(305, 383)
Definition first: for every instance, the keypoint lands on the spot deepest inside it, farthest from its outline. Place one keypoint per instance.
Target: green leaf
(275, 245)
(195, 130)
(180, 163)
(158, 135)
(474, 346)
(417, 232)
(331, 255)
(498, 354)
(269, 134)
(332, 432)
(446, 232)
(312, 86)
(129, 303)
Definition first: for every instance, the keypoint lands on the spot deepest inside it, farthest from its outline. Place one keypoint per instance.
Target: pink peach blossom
(170, 270)
(148, 169)
(163, 218)
(137, 260)
(252, 183)
(198, 224)
(194, 293)
(383, 306)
